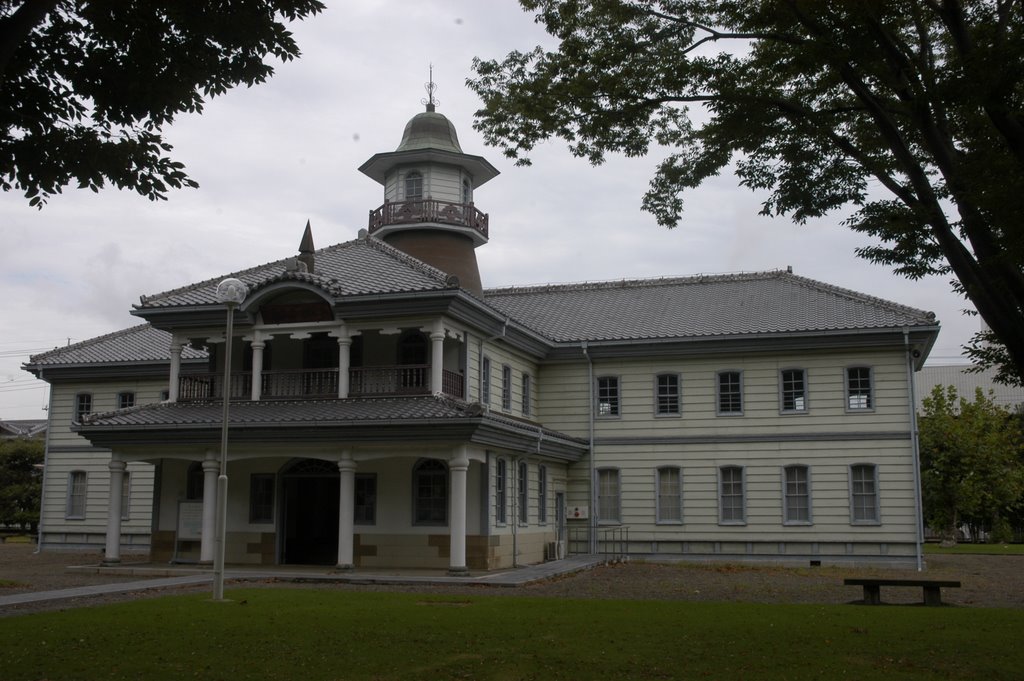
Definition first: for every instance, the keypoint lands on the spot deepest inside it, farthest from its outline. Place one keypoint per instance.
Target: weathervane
(431, 87)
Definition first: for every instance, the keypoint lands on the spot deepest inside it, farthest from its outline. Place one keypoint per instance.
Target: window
(165, 395)
(413, 186)
(526, 394)
(796, 496)
(666, 394)
(608, 396)
(77, 489)
(430, 491)
(858, 389)
(261, 498)
(125, 400)
(731, 502)
(194, 482)
(485, 381)
(864, 494)
(83, 406)
(501, 492)
(542, 495)
(794, 390)
(730, 393)
(366, 499)
(126, 496)
(523, 492)
(670, 496)
(467, 192)
(608, 505)
(506, 387)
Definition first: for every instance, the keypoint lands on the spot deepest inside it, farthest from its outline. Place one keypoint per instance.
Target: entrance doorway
(309, 513)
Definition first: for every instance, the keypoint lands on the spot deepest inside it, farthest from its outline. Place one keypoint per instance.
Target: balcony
(429, 210)
(312, 384)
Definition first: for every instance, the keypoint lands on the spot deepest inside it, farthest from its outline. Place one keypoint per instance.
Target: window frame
(722, 482)
(542, 494)
(193, 489)
(718, 392)
(485, 381)
(501, 491)
(526, 397)
(125, 399)
(362, 480)
(848, 388)
(77, 496)
(783, 391)
(660, 395)
(788, 495)
(430, 470)
(604, 498)
(126, 495)
(412, 178)
(255, 503)
(874, 494)
(523, 493)
(83, 406)
(506, 387)
(661, 498)
(614, 401)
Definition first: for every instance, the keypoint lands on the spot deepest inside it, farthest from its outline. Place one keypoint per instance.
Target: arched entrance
(309, 513)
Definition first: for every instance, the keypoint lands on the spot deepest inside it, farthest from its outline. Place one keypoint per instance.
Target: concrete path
(170, 576)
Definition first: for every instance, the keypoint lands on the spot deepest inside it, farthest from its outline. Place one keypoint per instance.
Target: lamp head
(232, 292)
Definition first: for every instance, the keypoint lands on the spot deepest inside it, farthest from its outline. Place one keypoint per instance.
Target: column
(257, 368)
(458, 467)
(112, 555)
(208, 536)
(344, 364)
(437, 360)
(346, 511)
(172, 387)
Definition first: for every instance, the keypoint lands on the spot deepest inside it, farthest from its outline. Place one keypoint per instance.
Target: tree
(86, 87)
(906, 112)
(971, 466)
(20, 483)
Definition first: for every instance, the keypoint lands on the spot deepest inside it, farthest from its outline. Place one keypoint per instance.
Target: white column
(172, 387)
(112, 555)
(344, 364)
(436, 361)
(346, 511)
(257, 369)
(208, 538)
(458, 466)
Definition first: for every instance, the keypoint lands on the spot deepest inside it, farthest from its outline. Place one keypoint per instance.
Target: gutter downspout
(592, 548)
(46, 460)
(915, 446)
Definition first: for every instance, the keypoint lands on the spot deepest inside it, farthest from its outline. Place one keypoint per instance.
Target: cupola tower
(428, 209)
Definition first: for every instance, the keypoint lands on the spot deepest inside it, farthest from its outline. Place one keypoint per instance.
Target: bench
(873, 588)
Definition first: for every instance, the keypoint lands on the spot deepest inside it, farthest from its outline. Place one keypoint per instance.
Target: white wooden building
(388, 411)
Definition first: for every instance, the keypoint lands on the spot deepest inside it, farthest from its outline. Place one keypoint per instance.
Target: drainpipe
(915, 447)
(46, 460)
(593, 466)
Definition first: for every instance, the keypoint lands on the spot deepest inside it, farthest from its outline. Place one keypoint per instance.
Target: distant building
(25, 428)
(966, 382)
(389, 411)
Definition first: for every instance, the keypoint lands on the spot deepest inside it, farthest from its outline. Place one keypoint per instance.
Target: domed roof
(429, 130)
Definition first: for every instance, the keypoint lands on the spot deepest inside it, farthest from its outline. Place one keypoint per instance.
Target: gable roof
(138, 344)
(363, 266)
(698, 307)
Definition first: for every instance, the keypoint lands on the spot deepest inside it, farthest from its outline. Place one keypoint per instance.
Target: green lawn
(987, 549)
(309, 634)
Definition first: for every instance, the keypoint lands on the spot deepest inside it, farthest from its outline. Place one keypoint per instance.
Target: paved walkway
(160, 577)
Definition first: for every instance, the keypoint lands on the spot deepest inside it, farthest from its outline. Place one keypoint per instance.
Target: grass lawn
(308, 634)
(987, 549)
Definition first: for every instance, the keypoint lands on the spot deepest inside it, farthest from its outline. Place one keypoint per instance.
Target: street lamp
(232, 293)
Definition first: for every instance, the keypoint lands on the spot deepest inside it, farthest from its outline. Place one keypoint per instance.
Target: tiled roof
(360, 267)
(140, 343)
(696, 307)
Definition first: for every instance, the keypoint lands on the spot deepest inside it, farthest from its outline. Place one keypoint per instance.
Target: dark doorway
(310, 514)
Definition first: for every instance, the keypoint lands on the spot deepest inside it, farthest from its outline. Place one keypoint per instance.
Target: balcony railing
(428, 210)
(320, 383)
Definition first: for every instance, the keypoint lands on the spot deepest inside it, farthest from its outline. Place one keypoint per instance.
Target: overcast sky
(271, 157)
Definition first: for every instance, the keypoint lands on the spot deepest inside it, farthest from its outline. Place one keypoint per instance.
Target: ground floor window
(77, 488)
(523, 490)
(864, 493)
(500, 492)
(366, 499)
(797, 495)
(731, 499)
(430, 493)
(608, 502)
(670, 495)
(261, 498)
(542, 494)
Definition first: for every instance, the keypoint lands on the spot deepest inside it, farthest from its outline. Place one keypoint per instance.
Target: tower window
(413, 186)
(467, 192)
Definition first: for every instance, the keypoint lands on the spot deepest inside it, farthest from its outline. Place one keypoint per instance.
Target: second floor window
(608, 396)
(527, 388)
(83, 406)
(794, 390)
(413, 186)
(506, 387)
(667, 398)
(730, 393)
(858, 389)
(485, 381)
(125, 400)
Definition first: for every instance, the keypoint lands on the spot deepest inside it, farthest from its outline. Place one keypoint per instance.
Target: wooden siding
(501, 355)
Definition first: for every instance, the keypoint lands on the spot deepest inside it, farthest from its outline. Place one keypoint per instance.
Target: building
(24, 428)
(388, 411)
(966, 380)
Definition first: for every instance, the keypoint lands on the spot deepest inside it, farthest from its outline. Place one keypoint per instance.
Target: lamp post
(232, 293)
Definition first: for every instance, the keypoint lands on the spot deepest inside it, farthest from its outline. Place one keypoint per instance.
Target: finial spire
(431, 86)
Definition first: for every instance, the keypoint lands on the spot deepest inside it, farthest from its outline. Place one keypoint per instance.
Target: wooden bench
(873, 588)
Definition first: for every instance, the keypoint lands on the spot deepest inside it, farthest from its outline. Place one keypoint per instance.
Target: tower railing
(428, 210)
